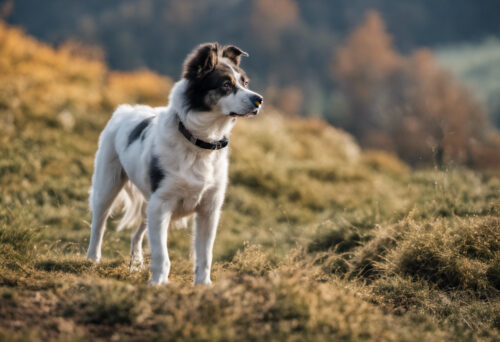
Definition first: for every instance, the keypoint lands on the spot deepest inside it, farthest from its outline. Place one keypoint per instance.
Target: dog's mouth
(254, 112)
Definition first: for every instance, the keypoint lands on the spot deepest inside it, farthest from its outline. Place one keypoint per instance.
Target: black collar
(200, 143)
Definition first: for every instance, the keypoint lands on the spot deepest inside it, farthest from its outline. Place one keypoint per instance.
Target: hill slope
(318, 240)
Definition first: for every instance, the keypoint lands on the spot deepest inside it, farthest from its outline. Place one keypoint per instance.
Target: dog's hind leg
(107, 181)
(136, 258)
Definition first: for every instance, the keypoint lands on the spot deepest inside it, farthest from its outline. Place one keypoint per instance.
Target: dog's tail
(132, 204)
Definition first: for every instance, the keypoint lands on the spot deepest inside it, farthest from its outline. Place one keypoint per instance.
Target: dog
(165, 164)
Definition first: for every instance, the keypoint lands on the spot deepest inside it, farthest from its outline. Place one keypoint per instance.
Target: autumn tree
(405, 104)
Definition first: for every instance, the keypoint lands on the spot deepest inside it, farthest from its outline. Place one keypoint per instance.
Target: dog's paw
(158, 279)
(93, 257)
(157, 283)
(136, 264)
(202, 275)
(204, 282)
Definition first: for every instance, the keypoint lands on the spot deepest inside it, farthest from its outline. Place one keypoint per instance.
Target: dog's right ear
(201, 61)
(234, 54)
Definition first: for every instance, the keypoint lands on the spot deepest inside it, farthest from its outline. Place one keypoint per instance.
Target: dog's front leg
(206, 221)
(159, 213)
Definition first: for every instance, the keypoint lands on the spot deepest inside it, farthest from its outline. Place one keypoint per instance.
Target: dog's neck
(206, 125)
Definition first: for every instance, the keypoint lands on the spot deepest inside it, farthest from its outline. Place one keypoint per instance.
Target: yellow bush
(138, 87)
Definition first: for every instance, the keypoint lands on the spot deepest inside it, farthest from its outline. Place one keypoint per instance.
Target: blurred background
(364, 202)
(414, 77)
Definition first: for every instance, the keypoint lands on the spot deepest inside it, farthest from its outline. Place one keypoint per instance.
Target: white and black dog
(164, 164)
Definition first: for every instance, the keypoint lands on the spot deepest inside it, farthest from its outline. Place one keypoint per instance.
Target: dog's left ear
(201, 61)
(233, 53)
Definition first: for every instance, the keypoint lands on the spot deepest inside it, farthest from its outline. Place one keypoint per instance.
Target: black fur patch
(138, 130)
(156, 174)
(204, 93)
(143, 134)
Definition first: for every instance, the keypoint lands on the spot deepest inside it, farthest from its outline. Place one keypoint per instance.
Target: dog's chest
(192, 182)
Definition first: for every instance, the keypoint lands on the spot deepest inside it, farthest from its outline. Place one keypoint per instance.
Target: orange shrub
(64, 86)
(138, 87)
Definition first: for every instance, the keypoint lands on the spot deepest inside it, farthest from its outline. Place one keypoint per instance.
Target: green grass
(318, 240)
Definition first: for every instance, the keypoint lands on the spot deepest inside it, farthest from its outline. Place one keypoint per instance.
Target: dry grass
(318, 240)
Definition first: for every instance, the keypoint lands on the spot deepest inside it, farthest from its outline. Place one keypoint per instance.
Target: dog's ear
(234, 53)
(201, 61)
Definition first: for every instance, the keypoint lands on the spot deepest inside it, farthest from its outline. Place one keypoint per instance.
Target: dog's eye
(245, 84)
(227, 85)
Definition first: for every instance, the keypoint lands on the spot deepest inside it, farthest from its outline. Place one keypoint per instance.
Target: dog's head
(217, 83)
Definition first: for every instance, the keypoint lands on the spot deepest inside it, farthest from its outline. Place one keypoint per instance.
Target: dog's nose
(257, 100)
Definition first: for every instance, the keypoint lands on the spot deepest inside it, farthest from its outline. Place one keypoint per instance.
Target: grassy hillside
(318, 240)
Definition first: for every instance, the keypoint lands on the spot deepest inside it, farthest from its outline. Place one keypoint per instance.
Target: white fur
(194, 183)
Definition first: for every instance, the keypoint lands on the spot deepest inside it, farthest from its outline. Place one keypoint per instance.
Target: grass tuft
(103, 302)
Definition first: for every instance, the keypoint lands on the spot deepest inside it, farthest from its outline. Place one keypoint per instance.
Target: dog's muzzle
(256, 101)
